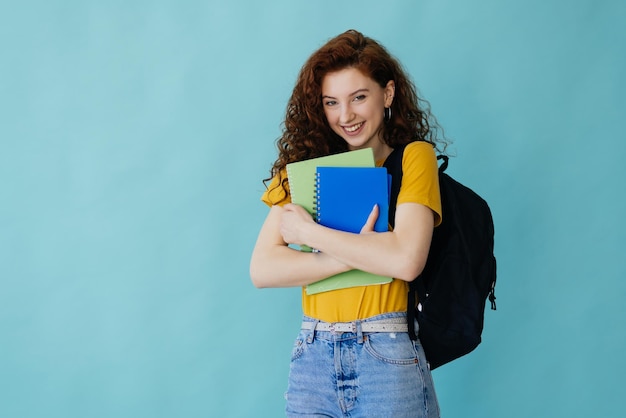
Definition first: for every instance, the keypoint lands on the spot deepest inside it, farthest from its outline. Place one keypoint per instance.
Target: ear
(390, 90)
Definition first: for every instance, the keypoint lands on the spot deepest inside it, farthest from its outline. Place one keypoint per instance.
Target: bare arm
(400, 254)
(274, 264)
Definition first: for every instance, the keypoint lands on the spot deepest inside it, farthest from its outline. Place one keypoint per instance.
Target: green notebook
(302, 177)
(351, 278)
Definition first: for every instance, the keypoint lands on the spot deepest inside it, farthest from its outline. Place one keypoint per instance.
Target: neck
(381, 151)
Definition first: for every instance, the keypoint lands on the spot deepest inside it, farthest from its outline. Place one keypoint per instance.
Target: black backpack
(460, 273)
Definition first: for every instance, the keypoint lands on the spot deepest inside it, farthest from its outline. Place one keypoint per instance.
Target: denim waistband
(393, 322)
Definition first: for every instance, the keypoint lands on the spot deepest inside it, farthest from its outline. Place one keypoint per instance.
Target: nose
(346, 115)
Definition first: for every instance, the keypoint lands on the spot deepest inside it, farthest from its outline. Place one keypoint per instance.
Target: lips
(353, 129)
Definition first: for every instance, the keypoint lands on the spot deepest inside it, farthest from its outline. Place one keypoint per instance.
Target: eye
(330, 102)
(359, 98)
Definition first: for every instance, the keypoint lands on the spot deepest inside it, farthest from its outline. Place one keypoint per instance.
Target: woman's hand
(293, 222)
(274, 264)
(295, 219)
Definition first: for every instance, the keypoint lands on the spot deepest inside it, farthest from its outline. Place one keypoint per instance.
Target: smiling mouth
(353, 128)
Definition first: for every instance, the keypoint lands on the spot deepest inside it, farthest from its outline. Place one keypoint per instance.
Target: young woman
(353, 356)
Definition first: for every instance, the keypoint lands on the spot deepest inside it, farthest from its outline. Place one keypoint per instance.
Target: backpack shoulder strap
(393, 163)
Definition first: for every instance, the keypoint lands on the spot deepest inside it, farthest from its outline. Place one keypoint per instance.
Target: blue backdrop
(133, 139)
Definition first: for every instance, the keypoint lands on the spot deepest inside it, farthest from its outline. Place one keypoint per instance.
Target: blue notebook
(345, 196)
(302, 175)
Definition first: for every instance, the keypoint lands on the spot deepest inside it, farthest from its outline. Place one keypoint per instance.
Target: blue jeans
(359, 375)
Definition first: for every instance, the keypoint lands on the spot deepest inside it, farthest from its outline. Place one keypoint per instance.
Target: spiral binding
(316, 208)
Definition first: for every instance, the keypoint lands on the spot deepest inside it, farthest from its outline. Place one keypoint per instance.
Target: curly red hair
(306, 132)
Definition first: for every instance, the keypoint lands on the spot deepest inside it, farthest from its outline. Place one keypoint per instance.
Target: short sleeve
(277, 193)
(420, 177)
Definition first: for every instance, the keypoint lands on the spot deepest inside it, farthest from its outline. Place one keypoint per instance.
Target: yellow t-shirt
(420, 184)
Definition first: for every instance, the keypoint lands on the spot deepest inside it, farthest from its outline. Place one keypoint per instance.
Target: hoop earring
(387, 114)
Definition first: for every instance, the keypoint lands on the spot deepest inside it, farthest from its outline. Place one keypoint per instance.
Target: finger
(371, 220)
(296, 209)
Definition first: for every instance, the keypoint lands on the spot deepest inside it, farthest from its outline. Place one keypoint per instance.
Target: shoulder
(420, 178)
(419, 154)
(421, 149)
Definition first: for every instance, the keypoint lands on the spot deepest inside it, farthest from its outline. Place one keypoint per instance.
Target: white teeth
(353, 128)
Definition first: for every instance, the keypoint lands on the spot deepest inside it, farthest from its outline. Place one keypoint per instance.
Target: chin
(354, 143)
(354, 146)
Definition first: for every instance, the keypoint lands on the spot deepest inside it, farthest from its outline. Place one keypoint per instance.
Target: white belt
(392, 325)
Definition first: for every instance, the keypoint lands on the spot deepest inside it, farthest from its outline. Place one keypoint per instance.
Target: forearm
(400, 254)
(377, 253)
(274, 264)
(282, 266)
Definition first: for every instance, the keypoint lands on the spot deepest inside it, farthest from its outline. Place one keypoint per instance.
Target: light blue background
(133, 140)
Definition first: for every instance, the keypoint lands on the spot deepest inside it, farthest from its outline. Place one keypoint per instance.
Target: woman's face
(354, 107)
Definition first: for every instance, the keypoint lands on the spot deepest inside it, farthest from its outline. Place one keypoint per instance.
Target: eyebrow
(351, 94)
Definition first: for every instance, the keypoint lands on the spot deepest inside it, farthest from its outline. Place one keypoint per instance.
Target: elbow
(410, 270)
(255, 275)
(412, 264)
(256, 270)
(260, 273)
(258, 279)
(258, 282)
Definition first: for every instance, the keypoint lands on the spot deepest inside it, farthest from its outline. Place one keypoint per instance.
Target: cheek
(329, 116)
(332, 120)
